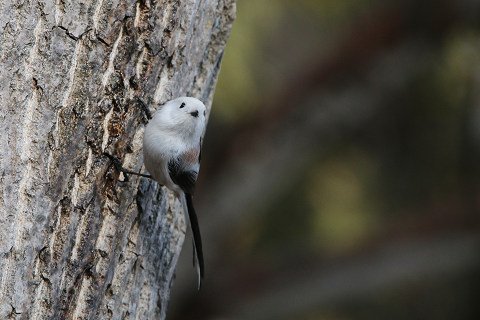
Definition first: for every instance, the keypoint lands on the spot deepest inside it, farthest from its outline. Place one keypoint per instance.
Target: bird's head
(183, 114)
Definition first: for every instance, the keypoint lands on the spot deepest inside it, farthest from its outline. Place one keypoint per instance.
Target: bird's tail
(197, 240)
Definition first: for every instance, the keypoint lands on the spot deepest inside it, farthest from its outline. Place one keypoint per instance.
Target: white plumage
(171, 150)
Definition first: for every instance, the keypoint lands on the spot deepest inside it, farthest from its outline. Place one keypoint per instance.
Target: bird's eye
(194, 113)
(204, 113)
(182, 105)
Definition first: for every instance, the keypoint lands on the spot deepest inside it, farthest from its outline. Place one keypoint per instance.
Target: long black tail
(197, 239)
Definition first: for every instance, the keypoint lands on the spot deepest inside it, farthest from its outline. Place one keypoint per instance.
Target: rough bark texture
(75, 241)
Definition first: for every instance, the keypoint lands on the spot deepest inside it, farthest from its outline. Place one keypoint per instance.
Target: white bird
(171, 153)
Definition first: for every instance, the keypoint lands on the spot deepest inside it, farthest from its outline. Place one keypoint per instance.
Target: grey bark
(75, 241)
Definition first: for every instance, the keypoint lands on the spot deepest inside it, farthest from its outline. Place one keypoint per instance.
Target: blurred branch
(391, 266)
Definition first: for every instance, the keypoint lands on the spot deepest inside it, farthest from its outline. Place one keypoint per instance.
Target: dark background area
(340, 172)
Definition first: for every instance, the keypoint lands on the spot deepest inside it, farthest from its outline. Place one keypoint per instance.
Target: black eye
(182, 105)
(194, 113)
(204, 113)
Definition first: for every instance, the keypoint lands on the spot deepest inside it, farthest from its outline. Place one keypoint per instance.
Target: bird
(172, 152)
(172, 145)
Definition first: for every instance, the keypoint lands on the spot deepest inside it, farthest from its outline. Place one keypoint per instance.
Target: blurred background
(341, 165)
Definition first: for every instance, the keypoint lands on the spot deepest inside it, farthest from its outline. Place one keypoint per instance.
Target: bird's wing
(185, 179)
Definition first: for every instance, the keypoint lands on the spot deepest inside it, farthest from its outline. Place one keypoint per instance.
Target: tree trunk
(77, 242)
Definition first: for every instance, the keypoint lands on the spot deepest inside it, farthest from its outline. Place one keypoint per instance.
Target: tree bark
(77, 242)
